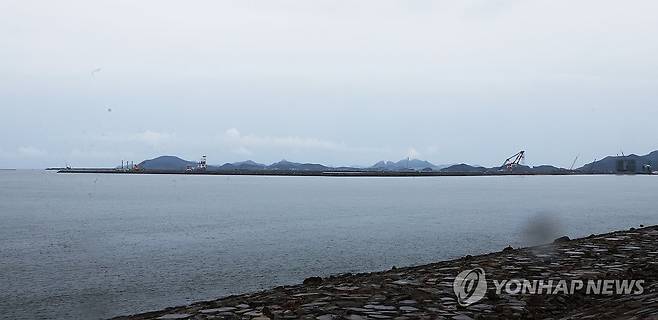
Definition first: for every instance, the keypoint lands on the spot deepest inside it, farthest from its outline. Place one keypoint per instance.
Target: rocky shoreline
(426, 291)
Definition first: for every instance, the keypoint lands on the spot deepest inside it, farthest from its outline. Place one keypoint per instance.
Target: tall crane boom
(573, 164)
(514, 160)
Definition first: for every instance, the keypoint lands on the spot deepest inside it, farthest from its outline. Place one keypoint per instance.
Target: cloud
(283, 146)
(432, 149)
(412, 153)
(30, 152)
(234, 137)
(23, 152)
(242, 150)
(233, 133)
(153, 138)
(110, 155)
(149, 137)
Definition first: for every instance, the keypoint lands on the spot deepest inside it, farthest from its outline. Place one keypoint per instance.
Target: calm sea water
(91, 246)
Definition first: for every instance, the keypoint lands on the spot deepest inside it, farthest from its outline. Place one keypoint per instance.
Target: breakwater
(321, 173)
(428, 292)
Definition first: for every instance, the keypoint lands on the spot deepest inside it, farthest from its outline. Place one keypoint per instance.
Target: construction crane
(514, 160)
(202, 165)
(573, 164)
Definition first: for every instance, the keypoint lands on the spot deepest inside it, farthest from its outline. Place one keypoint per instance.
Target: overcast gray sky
(338, 82)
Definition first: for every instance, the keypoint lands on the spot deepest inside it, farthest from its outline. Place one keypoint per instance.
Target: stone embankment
(426, 292)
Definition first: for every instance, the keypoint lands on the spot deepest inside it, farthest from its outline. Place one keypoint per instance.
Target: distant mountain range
(287, 165)
(609, 164)
(465, 168)
(407, 164)
(166, 163)
(176, 163)
(243, 165)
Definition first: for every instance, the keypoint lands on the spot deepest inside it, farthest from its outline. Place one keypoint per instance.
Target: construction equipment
(202, 165)
(514, 160)
(573, 164)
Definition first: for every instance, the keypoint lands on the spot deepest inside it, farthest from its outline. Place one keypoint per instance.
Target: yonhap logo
(470, 286)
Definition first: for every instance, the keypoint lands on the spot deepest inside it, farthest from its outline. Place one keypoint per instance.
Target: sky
(91, 83)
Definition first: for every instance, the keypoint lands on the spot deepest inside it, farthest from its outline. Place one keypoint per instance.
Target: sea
(95, 246)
